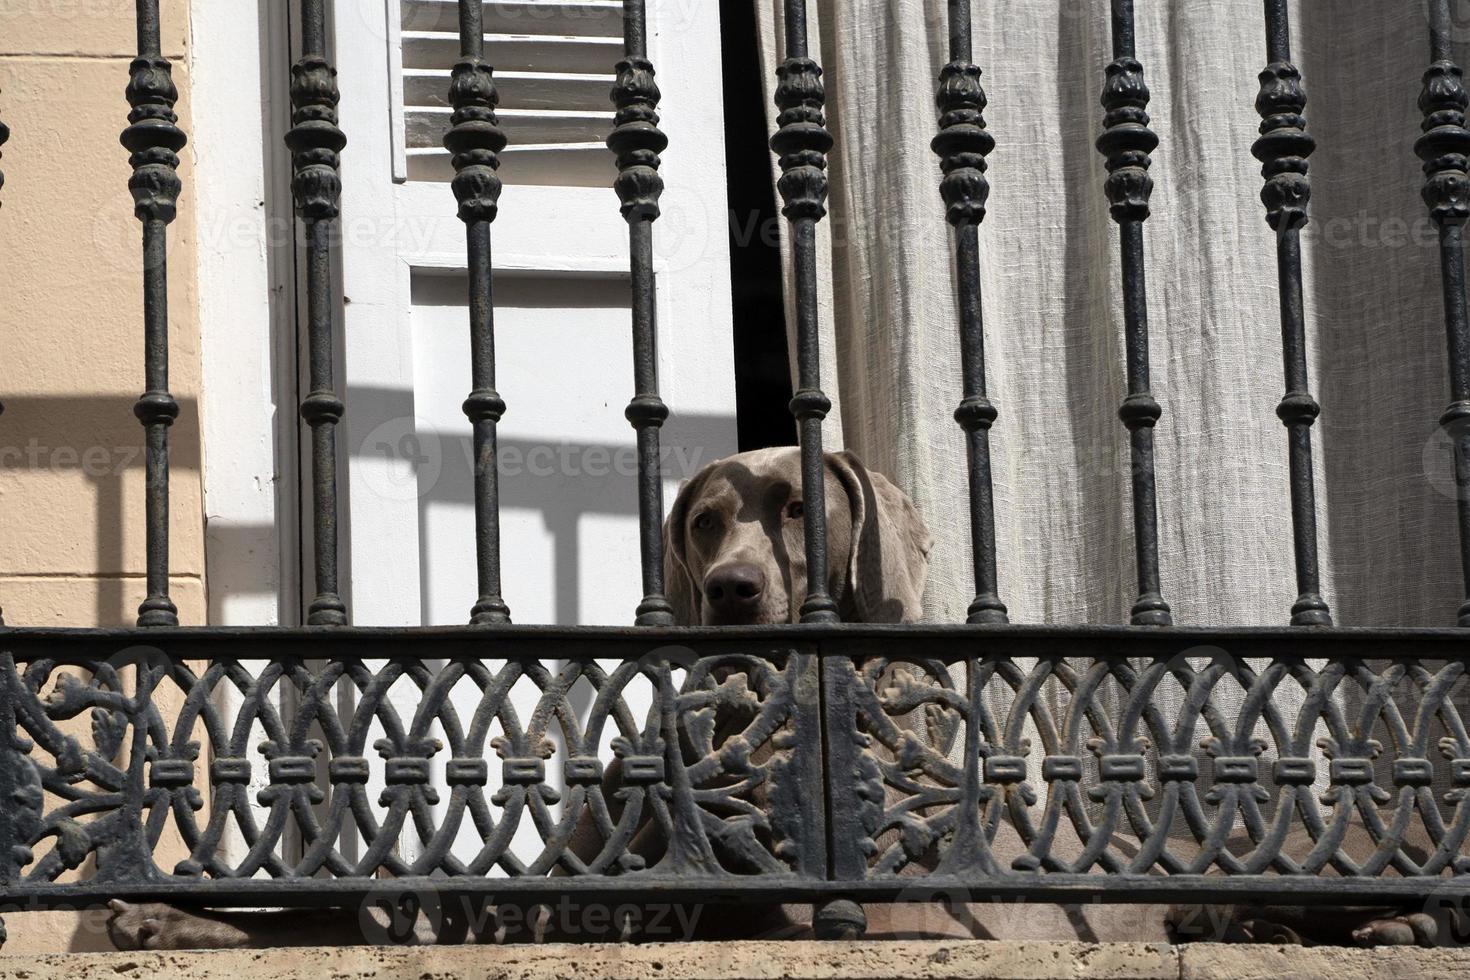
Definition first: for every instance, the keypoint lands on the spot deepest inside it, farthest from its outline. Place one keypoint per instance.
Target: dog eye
(795, 510)
(704, 522)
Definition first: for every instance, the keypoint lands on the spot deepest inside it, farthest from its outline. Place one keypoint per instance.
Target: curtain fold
(1054, 314)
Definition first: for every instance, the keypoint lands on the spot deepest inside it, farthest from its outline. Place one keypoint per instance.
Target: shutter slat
(427, 126)
(518, 90)
(565, 165)
(508, 52)
(587, 18)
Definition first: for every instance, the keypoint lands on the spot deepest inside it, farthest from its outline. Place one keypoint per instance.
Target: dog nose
(734, 590)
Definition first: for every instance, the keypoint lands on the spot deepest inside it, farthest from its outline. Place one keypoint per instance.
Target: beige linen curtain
(1054, 314)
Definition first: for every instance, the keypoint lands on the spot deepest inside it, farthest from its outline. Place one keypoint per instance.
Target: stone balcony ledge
(948, 960)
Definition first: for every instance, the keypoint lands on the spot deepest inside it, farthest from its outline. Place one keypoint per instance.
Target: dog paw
(135, 926)
(1413, 929)
(1270, 932)
(153, 925)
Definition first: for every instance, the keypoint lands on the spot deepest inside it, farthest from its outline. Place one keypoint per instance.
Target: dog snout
(734, 591)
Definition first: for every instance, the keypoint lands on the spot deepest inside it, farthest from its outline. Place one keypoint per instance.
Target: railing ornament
(1126, 142)
(637, 142)
(315, 142)
(962, 145)
(154, 140)
(802, 142)
(1283, 149)
(1445, 150)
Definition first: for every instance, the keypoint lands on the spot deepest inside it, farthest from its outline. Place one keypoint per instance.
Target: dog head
(734, 543)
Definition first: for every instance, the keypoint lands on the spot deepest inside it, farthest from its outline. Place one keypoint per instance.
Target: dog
(735, 550)
(734, 554)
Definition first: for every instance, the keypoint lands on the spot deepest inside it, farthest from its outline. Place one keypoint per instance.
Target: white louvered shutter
(562, 314)
(563, 327)
(554, 69)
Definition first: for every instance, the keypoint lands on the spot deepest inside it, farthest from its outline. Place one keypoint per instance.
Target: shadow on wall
(532, 480)
(534, 477)
(71, 467)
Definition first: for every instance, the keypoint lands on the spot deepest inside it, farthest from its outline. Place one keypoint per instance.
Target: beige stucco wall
(71, 350)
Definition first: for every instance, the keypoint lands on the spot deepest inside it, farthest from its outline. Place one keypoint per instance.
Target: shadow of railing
(53, 438)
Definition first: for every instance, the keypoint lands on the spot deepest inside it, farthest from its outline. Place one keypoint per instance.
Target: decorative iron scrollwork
(1139, 765)
(963, 142)
(1284, 146)
(636, 139)
(1445, 145)
(716, 770)
(154, 139)
(1127, 141)
(315, 141)
(802, 139)
(475, 139)
(1172, 770)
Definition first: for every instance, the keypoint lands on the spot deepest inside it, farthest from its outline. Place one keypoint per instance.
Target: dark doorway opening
(762, 364)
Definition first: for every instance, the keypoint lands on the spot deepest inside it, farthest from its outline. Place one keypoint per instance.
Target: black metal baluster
(1445, 150)
(4, 138)
(637, 141)
(1126, 142)
(476, 139)
(962, 144)
(1283, 149)
(802, 141)
(154, 140)
(315, 143)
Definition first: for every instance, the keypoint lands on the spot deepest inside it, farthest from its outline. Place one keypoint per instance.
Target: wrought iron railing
(825, 762)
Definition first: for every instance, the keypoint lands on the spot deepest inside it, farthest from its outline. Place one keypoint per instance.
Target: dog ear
(679, 585)
(890, 545)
